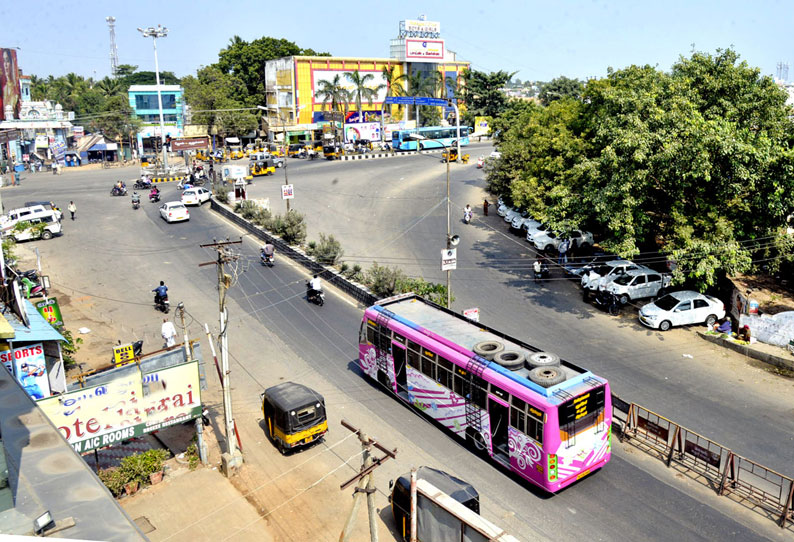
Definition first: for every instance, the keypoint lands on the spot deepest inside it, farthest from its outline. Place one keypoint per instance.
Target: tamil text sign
(130, 405)
(50, 311)
(424, 50)
(417, 28)
(449, 259)
(190, 143)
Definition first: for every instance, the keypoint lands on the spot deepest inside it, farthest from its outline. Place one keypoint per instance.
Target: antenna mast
(114, 53)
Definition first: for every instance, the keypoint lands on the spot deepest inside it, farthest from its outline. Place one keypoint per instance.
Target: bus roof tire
(543, 359)
(510, 359)
(547, 376)
(488, 349)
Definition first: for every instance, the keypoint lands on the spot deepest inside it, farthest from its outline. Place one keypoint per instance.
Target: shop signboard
(377, 81)
(50, 311)
(418, 50)
(418, 28)
(130, 405)
(362, 116)
(29, 368)
(8, 135)
(190, 143)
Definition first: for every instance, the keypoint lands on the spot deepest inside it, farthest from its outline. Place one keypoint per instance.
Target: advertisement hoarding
(362, 130)
(190, 143)
(50, 311)
(28, 365)
(417, 50)
(9, 83)
(127, 406)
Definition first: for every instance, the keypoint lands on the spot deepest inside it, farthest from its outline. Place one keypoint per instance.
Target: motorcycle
(136, 200)
(543, 274)
(116, 191)
(154, 197)
(314, 296)
(33, 288)
(143, 184)
(480, 162)
(608, 302)
(161, 303)
(466, 217)
(267, 259)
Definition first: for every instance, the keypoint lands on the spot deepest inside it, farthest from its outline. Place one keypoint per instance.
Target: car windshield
(623, 280)
(666, 303)
(601, 269)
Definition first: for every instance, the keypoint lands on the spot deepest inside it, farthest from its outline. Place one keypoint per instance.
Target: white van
(13, 216)
(51, 227)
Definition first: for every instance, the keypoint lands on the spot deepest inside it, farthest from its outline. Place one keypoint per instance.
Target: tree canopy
(482, 93)
(559, 88)
(696, 163)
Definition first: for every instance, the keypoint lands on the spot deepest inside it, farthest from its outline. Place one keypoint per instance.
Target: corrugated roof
(39, 330)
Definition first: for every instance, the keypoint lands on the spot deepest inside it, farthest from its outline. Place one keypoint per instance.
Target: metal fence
(726, 472)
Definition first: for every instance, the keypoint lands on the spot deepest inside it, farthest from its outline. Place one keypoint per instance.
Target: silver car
(638, 284)
(605, 273)
(682, 308)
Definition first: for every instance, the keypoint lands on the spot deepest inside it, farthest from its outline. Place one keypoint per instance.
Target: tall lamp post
(286, 147)
(154, 33)
(452, 240)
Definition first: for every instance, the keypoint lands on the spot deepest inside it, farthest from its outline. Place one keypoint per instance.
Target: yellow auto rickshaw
(295, 150)
(317, 145)
(332, 151)
(262, 166)
(294, 415)
(147, 160)
(451, 155)
(203, 155)
(236, 152)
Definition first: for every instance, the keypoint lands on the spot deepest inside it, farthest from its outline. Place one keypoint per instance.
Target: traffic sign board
(400, 100)
(430, 101)
(287, 192)
(449, 259)
(472, 314)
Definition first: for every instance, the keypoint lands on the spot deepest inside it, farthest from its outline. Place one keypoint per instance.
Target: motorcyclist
(160, 293)
(154, 193)
(267, 250)
(315, 285)
(540, 269)
(136, 199)
(467, 213)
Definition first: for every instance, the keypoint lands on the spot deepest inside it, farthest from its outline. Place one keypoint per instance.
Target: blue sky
(540, 40)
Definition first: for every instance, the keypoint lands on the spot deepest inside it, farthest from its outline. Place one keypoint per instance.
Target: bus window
(428, 365)
(362, 334)
(371, 334)
(518, 419)
(384, 339)
(479, 394)
(413, 358)
(444, 372)
(460, 383)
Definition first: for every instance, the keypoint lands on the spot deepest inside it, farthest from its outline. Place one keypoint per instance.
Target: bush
(219, 192)
(138, 467)
(327, 250)
(263, 218)
(356, 274)
(70, 347)
(290, 227)
(192, 456)
(437, 293)
(383, 280)
(114, 479)
(247, 209)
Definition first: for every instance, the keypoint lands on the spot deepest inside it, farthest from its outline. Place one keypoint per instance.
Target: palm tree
(109, 87)
(39, 88)
(360, 88)
(394, 83)
(333, 91)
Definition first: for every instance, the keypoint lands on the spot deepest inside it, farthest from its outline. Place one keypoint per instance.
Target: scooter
(608, 302)
(314, 296)
(543, 274)
(267, 259)
(154, 197)
(33, 289)
(161, 303)
(480, 162)
(136, 200)
(143, 184)
(116, 191)
(466, 217)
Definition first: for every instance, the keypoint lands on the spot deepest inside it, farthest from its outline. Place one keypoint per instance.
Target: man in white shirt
(316, 284)
(168, 332)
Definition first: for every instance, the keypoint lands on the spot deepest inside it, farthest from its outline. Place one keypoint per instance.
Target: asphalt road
(115, 253)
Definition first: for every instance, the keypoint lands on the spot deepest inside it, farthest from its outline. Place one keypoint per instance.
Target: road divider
(167, 179)
(358, 291)
(728, 473)
(374, 155)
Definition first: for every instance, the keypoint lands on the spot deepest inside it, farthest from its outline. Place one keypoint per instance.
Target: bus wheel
(477, 440)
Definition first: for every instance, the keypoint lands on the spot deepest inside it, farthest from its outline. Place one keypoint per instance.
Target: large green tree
(482, 93)
(559, 88)
(212, 94)
(696, 163)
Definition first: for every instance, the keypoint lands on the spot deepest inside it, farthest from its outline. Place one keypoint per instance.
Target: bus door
(499, 415)
(398, 353)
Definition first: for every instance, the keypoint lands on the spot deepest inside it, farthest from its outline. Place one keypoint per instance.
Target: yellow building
(292, 85)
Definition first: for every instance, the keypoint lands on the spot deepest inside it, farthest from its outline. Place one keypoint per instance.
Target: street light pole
(154, 33)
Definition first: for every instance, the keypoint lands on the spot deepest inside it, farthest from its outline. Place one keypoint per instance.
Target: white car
(682, 308)
(195, 196)
(495, 154)
(513, 213)
(523, 223)
(638, 284)
(601, 275)
(532, 231)
(503, 209)
(549, 241)
(174, 211)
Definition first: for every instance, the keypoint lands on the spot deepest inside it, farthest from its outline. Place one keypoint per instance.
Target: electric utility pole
(226, 256)
(366, 483)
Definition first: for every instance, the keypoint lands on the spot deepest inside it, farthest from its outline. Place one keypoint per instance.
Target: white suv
(607, 272)
(638, 284)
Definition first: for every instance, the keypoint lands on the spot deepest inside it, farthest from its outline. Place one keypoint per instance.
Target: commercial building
(144, 103)
(297, 105)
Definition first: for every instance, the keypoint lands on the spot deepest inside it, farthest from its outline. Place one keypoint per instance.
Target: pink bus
(541, 417)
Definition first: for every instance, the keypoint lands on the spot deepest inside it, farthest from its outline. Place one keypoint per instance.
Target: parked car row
(623, 279)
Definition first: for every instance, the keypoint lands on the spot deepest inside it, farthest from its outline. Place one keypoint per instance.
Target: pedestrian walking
(485, 206)
(72, 208)
(16, 178)
(168, 332)
(563, 249)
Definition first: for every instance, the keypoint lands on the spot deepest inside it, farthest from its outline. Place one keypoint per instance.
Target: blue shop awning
(39, 330)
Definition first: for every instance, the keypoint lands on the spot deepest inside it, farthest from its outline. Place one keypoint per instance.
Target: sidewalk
(773, 355)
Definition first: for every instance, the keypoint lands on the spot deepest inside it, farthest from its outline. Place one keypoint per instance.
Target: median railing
(720, 468)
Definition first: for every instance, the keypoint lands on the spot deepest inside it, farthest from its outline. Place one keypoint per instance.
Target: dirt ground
(771, 297)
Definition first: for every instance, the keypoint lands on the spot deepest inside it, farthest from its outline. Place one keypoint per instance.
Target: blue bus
(434, 137)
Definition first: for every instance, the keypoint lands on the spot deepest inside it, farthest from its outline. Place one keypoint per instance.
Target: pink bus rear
(424, 354)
